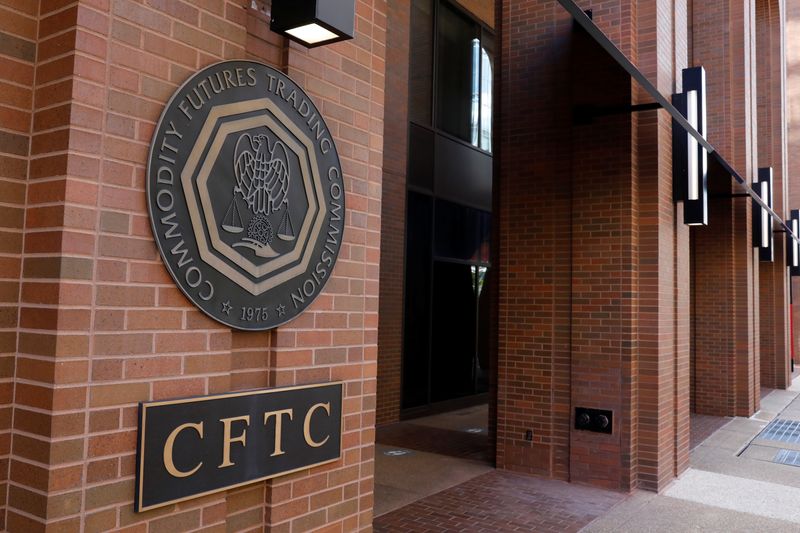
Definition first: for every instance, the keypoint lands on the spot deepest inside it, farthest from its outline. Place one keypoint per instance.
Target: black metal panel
(460, 232)
(763, 237)
(420, 157)
(463, 174)
(338, 14)
(196, 446)
(695, 211)
(595, 420)
(792, 247)
(286, 14)
(680, 163)
(690, 170)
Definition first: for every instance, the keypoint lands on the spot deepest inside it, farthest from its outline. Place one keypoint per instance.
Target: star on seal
(226, 307)
(281, 309)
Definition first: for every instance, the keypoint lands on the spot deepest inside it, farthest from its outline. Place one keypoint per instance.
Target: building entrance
(439, 435)
(446, 344)
(448, 208)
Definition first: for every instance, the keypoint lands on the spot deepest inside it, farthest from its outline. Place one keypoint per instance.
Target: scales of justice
(262, 182)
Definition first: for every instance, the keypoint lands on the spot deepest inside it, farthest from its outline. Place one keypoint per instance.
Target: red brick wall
(682, 272)
(604, 276)
(341, 341)
(660, 431)
(102, 326)
(726, 333)
(18, 44)
(533, 216)
(592, 254)
(393, 214)
(53, 289)
(773, 278)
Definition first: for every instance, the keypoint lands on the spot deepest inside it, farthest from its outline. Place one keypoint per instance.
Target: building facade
(511, 236)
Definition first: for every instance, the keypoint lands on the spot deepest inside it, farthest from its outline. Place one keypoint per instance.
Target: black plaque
(196, 446)
(245, 194)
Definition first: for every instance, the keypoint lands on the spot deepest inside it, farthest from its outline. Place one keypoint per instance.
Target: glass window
(447, 285)
(457, 77)
(453, 337)
(461, 233)
(464, 62)
(487, 77)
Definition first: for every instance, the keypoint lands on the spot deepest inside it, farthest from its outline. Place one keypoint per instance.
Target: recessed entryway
(420, 457)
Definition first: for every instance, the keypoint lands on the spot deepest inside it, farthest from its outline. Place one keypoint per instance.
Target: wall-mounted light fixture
(313, 23)
(792, 248)
(689, 158)
(762, 221)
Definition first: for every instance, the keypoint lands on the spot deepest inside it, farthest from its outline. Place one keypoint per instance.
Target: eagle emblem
(262, 183)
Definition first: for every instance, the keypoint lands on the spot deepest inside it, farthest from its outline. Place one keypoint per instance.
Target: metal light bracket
(763, 237)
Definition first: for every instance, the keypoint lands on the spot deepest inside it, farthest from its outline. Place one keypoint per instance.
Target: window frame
(483, 30)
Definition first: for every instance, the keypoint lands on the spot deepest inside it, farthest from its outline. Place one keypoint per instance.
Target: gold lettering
(307, 425)
(185, 108)
(278, 428)
(227, 440)
(168, 452)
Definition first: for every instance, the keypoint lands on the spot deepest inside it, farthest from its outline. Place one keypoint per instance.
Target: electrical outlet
(596, 420)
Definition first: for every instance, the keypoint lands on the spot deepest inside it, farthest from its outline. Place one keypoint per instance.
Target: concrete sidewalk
(734, 483)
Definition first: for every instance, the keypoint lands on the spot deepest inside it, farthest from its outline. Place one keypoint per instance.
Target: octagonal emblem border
(232, 286)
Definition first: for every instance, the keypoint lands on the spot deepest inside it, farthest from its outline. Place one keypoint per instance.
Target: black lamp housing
(314, 23)
(792, 248)
(763, 237)
(689, 158)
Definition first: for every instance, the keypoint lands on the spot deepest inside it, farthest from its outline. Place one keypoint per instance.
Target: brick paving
(703, 426)
(435, 440)
(502, 502)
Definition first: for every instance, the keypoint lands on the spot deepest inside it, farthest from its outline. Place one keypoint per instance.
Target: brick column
(393, 214)
(533, 213)
(773, 277)
(102, 326)
(661, 436)
(54, 299)
(725, 274)
(592, 253)
(18, 44)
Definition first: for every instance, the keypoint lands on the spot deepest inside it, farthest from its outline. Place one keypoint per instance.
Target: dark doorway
(448, 210)
(446, 351)
(456, 368)
(444, 436)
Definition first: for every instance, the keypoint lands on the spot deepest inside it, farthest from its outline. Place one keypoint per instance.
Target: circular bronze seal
(245, 194)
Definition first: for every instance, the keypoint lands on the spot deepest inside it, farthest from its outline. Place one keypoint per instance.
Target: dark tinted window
(487, 79)
(453, 357)
(461, 232)
(458, 73)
